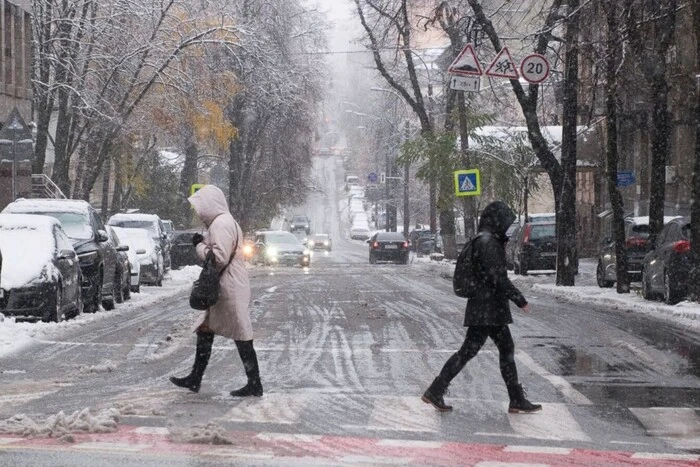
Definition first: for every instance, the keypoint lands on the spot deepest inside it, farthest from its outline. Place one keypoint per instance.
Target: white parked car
(153, 224)
(359, 232)
(135, 281)
(151, 262)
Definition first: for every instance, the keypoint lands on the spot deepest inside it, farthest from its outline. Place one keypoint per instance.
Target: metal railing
(44, 187)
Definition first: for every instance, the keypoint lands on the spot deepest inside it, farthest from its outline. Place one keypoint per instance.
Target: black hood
(496, 218)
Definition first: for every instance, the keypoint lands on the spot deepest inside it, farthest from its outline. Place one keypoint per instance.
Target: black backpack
(464, 279)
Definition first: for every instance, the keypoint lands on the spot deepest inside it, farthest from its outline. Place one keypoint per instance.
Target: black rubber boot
(252, 371)
(201, 359)
(518, 402)
(434, 395)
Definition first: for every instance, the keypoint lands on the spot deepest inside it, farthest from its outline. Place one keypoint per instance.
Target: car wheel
(405, 259)
(127, 288)
(159, 281)
(118, 290)
(646, 287)
(372, 259)
(57, 305)
(523, 267)
(94, 305)
(600, 278)
(671, 294)
(516, 268)
(108, 304)
(136, 288)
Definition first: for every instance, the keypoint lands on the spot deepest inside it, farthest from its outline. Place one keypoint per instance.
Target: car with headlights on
(40, 277)
(666, 269)
(388, 246)
(134, 265)
(88, 234)
(280, 247)
(150, 260)
(320, 242)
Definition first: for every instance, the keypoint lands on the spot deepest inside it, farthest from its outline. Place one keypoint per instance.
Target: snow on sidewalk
(15, 335)
(685, 313)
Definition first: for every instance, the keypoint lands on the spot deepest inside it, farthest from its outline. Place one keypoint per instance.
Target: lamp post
(15, 126)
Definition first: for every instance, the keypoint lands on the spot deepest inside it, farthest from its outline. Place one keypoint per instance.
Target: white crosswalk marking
(555, 422)
(678, 426)
(273, 408)
(567, 390)
(403, 414)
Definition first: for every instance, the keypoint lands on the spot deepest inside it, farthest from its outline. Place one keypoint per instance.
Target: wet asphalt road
(346, 349)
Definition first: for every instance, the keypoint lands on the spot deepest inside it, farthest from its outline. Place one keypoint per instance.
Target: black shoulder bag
(205, 290)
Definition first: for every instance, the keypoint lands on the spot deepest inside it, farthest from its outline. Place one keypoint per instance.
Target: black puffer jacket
(490, 306)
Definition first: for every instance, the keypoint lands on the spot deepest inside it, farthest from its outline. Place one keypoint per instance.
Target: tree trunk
(106, 172)
(659, 148)
(694, 281)
(566, 212)
(616, 200)
(188, 177)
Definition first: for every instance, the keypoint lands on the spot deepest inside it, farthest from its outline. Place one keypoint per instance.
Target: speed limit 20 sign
(534, 68)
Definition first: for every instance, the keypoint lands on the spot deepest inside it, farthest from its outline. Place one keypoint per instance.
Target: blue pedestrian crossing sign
(467, 182)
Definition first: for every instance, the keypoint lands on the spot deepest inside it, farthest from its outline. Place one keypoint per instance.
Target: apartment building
(15, 58)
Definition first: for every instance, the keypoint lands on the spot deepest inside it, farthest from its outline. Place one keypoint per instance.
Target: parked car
(665, 269)
(88, 234)
(300, 223)
(122, 271)
(153, 225)
(535, 248)
(280, 247)
(636, 248)
(40, 278)
(132, 255)
(320, 242)
(182, 252)
(359, 232)
(151, 261)
(512, 234)
(388, 246)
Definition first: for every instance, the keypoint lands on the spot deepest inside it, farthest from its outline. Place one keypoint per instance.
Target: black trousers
(475, 339)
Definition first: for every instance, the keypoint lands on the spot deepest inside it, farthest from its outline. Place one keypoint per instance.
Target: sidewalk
(586, 292)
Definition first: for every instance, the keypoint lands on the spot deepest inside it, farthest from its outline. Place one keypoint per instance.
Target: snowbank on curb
(59, 425)
(685, 313)
(211, 433)
(15, 335)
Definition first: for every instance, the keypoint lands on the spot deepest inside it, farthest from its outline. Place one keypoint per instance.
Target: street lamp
(15, 126)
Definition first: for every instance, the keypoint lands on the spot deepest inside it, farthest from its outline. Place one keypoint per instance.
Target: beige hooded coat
(230, 316)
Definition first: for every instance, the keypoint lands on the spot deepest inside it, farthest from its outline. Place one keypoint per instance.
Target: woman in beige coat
(230, 316)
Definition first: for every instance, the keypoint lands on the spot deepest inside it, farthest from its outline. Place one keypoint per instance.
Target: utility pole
(406, 177)
(433, 183)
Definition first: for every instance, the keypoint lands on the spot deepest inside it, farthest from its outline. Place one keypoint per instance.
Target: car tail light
(375, 245)
(682, 246)
(633, 242)
(526, 235)
(405, 244)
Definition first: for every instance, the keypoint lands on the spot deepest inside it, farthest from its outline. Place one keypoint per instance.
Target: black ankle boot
(518, 401)
(193, 381)
(434, 395)
(252, 371)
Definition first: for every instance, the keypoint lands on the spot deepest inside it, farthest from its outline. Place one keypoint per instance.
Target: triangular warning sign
(467, 185)
(503, 66)
(466, 63)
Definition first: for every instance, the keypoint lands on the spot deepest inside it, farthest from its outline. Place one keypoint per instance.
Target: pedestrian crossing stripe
(467, 182)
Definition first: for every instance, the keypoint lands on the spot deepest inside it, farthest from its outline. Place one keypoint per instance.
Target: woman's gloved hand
(197, 239)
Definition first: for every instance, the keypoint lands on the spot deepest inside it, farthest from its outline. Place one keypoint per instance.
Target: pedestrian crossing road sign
(467, 182)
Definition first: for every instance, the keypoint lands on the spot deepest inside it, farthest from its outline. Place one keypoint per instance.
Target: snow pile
(686, 312)
(28, 247)
(211, 433)
(186, 274)
(59, 425)
(105, 367)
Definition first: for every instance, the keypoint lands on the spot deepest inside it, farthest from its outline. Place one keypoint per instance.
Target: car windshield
(639, 231)
(542, 231)
(299, 219)
(77, 226)
(134, 224)
(282, 239)
(320, 238)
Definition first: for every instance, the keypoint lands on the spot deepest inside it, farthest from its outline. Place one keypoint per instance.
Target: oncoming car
(320, 242)
(280, 247)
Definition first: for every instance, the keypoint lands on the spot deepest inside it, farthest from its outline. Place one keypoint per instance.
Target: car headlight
(247, 250)
(325, 243)
(88, 258)
(306, 252)
(311, 243)
(271, 251)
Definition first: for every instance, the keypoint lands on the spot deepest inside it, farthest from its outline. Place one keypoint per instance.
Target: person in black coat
(488, 312)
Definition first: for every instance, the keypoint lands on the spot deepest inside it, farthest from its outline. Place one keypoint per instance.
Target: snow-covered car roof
(23, 205)
(134, 217)
(644, 220)
(28, 247)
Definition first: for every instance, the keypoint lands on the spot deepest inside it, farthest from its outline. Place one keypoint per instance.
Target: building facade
(15, 58)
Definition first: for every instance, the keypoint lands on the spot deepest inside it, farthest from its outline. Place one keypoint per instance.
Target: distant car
(153, 224)
(665, 270)
(41, 276)
(535, 248)
(320, 242)
(388, 246)
(88, 234)
(134, 264)
(415, 234)
(359, 233)
(151, 262)
(300, 223)
(542, 217)
(122, 271)
(280, 247)
(182, 252)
